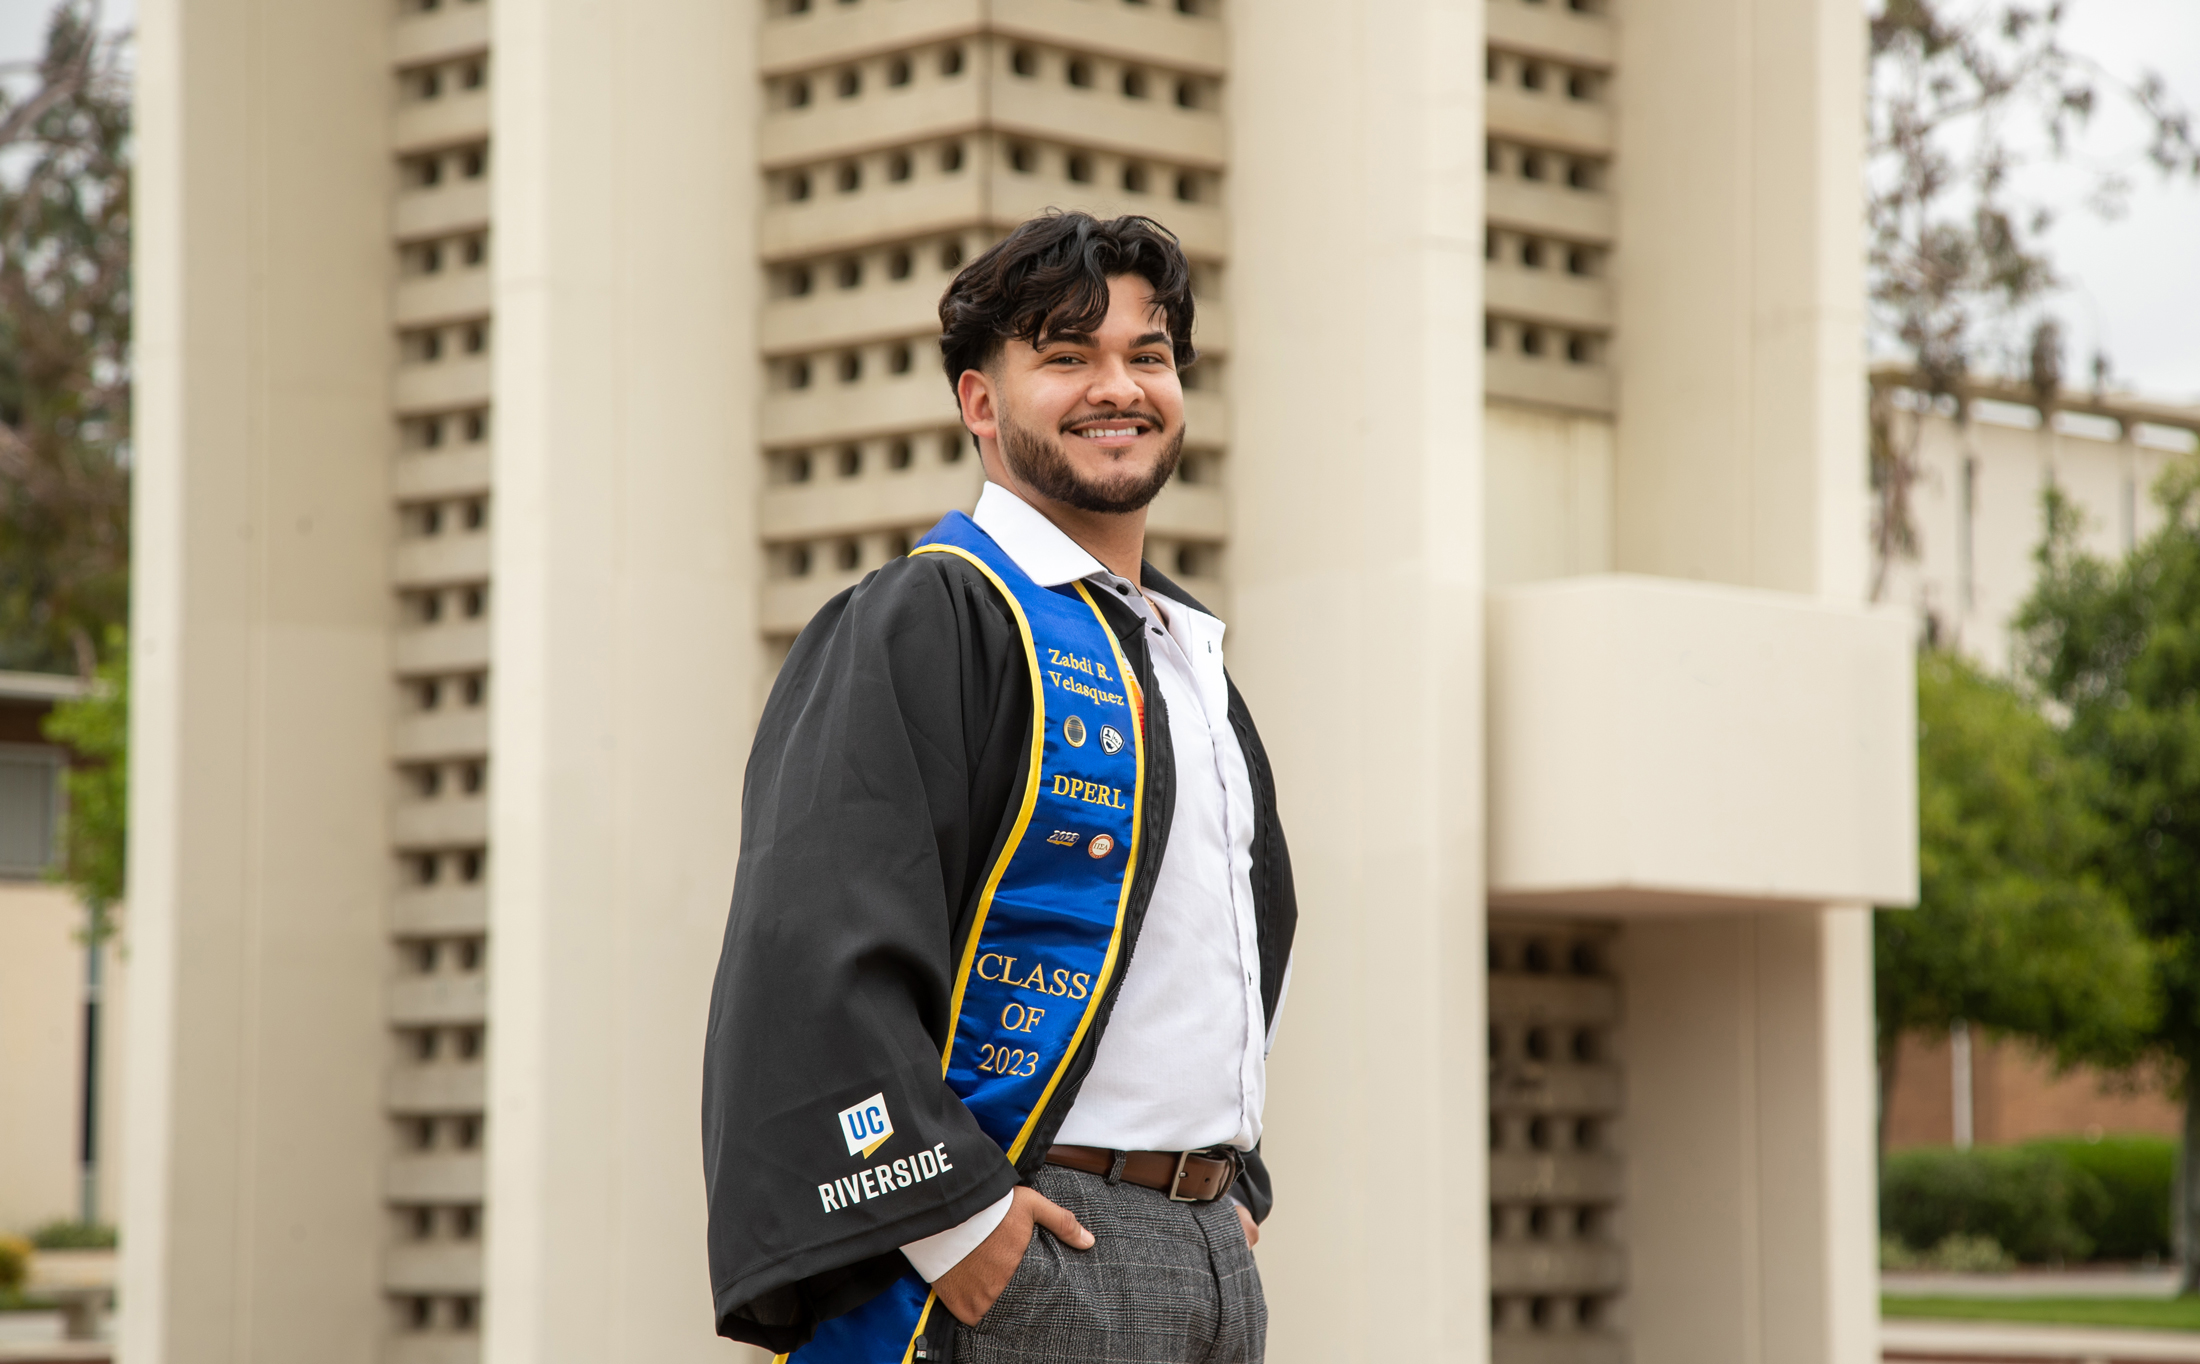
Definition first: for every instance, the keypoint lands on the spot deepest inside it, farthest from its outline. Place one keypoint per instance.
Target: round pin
(1100, 846)
(1073, 732)
(1111, 740)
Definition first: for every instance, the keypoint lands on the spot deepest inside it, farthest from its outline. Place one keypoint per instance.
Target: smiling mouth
(1113, 427)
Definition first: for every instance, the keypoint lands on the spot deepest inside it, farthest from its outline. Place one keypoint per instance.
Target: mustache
(1152, 419)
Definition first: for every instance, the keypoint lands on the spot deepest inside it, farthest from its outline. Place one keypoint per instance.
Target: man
(1013, 915)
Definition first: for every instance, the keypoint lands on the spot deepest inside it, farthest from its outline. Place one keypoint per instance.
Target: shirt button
(1122, 589)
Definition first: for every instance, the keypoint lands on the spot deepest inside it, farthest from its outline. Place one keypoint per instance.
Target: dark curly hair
(1050, 276)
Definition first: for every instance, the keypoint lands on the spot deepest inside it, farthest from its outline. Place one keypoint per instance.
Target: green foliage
(2118, 646)
(96, 727)
(64, 349)
(2016, 928)
(2138, 1174)
(2029, 1201)
(15, 1263)
(1956, 1254)
(2045, 1201)
(75, 1236)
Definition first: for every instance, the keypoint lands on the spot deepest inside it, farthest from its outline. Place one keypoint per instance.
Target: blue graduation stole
(1049, 931)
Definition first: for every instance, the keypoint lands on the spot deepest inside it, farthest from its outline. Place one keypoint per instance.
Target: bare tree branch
(1957, 260)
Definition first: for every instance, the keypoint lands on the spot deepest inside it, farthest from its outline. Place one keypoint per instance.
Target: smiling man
(1013, 916)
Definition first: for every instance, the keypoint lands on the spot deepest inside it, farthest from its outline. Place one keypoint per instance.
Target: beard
(1040, 461)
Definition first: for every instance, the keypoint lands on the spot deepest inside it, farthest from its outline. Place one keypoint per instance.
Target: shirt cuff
(935, 1255)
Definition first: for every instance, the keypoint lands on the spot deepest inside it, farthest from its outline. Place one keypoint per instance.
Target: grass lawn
(2161, 1314)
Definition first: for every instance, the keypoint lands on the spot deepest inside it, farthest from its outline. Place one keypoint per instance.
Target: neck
(1116, 539)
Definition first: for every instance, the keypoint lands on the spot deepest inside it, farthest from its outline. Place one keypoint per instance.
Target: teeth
(1104, 432)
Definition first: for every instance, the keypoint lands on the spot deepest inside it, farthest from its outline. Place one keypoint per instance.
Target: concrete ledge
(56, 1351)
(1661, 746)
(1551, 32)
(1985, 1342)
(439, 35)
(441, 1347)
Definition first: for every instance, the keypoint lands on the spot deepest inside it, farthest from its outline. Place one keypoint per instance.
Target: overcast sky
(2133, 285)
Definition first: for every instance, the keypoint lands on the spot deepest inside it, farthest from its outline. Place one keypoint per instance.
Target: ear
(974, 392)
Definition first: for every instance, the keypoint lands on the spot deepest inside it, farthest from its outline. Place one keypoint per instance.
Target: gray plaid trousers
(1164, 1283)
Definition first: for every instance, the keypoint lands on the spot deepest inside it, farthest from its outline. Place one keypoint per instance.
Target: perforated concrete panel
(1557, 1268)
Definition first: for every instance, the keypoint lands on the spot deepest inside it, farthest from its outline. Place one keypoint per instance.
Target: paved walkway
(1981, 1342)
(35, 1338)
(2035, 1283)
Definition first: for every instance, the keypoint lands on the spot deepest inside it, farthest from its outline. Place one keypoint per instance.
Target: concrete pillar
(1751, 1225)
(258, 857)
(1741, 448)
(1752, 1215)
(1356, 258)
(625, 641)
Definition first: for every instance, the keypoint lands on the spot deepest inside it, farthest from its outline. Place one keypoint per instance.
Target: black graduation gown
(881, 785)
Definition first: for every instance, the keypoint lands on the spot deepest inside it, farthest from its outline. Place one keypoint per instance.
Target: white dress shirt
(1183, 1063)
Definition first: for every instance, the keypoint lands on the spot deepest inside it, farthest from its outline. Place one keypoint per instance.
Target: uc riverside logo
(866, 1126)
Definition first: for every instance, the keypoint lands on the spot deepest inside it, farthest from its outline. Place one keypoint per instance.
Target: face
(1095, 421)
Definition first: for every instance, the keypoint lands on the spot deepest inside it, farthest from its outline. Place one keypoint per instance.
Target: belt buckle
(1178, 1182)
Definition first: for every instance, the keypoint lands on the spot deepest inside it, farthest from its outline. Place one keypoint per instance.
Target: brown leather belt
(1185, 1176)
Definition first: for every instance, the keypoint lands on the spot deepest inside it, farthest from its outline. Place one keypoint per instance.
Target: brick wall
(2016, 1096)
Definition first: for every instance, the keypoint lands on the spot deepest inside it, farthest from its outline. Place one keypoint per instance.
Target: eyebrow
(1085, 339)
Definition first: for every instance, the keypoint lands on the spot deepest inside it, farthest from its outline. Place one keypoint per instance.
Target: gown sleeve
(877, 789)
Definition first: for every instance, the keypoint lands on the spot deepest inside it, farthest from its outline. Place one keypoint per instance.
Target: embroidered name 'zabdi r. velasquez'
(1083, 688)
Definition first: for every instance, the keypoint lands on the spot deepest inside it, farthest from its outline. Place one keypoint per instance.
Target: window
(30, 809)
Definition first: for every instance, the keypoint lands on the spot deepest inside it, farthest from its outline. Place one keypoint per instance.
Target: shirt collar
(1050, 558)
(1047, 556)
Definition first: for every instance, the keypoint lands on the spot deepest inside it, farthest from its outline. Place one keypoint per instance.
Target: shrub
(2137, 1173)
(2044, 1201)
(2031, 1202)
(74, 1236)
(1957, 1252)
(1969, 1255)
(15, 1264)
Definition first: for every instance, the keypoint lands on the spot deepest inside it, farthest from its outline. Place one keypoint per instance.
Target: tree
(96, 729)
(2017, 928)
(2118, 647)
(1956, 256)
(64, 347)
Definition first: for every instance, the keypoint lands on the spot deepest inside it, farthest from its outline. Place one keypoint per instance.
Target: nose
(1114, 385)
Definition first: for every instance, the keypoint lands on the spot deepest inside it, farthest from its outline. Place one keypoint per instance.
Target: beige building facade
(518, 376)
(1975, 504)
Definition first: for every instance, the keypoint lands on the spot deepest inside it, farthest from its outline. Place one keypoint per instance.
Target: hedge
(2049, 1201)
